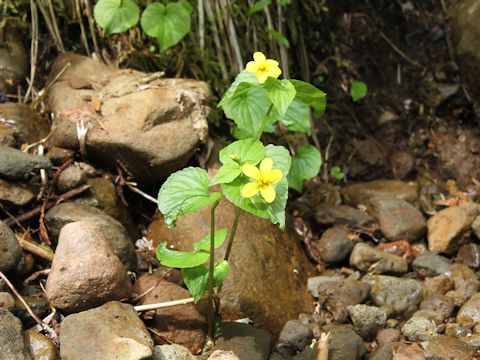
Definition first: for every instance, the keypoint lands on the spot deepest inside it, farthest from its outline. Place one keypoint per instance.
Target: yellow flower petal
(272, 63)
(274, 176)
(266, 166)
(259, 57)
(275, 72)
(252, 66)
(252, 171)
(268, 193)
(250, 189)
(262, 76)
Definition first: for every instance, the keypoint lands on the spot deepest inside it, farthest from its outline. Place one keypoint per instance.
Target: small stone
(450, 348)
(398, 219)
(296, 334)
(182, 324)
(111, 331)
(15, 164)
(440, 284)
(447, 227)
(335, 244)
(327, 215)
(171, 352)
(430, 315)
(403, 163)
(313, 283)
(368, 259)
(71, 177)
(244, 340)
(58, 156)
(223, 355)
(469, 255)
(401, 295)
(10, 250)
(466, 284)
(419, 329)
(441, 304)
(85, 272)
(359, 193)
(469, 313)
(367, 320)
(430, 264)
(41, 347)
(14, 193)
(7, 302)
(12, 343)
(337, 296)
(457, 331)
(387, 336)
(344, 343)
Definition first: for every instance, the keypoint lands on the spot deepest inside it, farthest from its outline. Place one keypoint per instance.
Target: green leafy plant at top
(254, 177)
(168, 23)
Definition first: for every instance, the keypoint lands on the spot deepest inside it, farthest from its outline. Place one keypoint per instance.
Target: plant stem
(264, 122)
(211, 310)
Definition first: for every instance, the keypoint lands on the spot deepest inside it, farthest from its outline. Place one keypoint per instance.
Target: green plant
(254, 177)
(337, 173)
(358, 90)
(167, 23)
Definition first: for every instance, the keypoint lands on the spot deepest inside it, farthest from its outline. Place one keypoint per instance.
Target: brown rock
(10, 250)
(387, 336)
(40, 346)
(335, 244)
(149, 132)
(469, 313)
(369, 259)
(182, 325)
(466, 284)
(14, 193)
(269, 269)
(58, 155)
(148, 281)
(341, 214)
(439, 284)
(7, 301)
(447, 227)
(359, 193)
(111, 331)
(13, 59)
(450, 348)
(85, 272)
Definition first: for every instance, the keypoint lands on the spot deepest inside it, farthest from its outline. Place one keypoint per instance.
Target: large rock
(464, 19)
(344, 343)
(15, 164)
(447, 347)
(12, 343)
(447, 227)
(14, 193)
(182, 324)
(111, 331)
(369, 259)
(359, 193)
(64, 213)
(269, 269)
(398, 219)
(147, 125)
(22, 123)
(10, 250)
(85, 272)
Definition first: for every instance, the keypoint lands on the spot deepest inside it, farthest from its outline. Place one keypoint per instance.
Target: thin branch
(34, 248)
(148, 307)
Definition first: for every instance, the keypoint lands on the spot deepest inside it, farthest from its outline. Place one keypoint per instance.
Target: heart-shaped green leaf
(311, 96)
(116, 16)
(305, 165)
(183, 192)
(297, 117)
(167, 23)
(281, 93)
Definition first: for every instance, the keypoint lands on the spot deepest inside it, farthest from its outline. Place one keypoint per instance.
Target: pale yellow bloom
(265, 177)
(263, 67)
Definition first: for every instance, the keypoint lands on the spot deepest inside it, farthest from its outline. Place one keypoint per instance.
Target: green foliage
(305, 165)
(297, 117)
(281, 94)
(184, 192)
(282, 40)
(196, 278)
(337, 173)
(258, 6)
(167, 23)
(358, 90)
(311, 96)
(116, 16)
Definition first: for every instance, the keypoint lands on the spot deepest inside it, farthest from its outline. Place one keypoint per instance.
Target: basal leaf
(358, 90)
(258, 6)
(311, 96)
(297, 117)
(280, 156)
(281, 93)
(305, 165)
(243, 76)
(220, 272)
(167, 23)
(183, 192)
(116, 16)
(247, 107)
(196, 279)
(180, 259)
(204, 243)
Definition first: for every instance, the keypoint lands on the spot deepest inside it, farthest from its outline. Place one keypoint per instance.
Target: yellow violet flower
(265, 177)
(263, 67)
